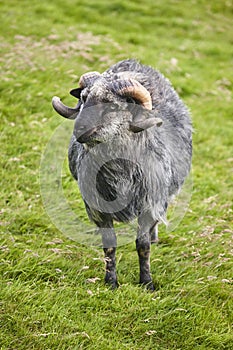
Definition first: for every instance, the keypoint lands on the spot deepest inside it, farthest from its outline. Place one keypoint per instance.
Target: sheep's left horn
(63, 110)
(134, 89)
(88, 78)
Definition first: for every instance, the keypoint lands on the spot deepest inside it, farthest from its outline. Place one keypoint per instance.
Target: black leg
(110, 259)
(109, 241)
(109, 246)
(143, 249)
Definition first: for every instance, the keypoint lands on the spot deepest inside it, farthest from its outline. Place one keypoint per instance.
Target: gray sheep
(130, 153)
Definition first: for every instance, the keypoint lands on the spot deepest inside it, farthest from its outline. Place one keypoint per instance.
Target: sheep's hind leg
(143, 249)
(154, 236)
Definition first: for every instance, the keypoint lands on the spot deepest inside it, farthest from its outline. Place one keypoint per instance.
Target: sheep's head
(108, 106)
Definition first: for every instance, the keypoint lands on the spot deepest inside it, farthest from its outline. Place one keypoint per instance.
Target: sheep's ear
(76, 92)
(140, 125)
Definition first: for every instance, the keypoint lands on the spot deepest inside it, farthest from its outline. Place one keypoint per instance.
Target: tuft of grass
(52, 294)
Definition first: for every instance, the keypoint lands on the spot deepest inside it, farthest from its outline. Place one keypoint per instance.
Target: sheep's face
(108, 107)
(103, 115)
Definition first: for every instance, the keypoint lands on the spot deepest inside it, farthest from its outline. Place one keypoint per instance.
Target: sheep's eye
(113, 107)
(130, 100)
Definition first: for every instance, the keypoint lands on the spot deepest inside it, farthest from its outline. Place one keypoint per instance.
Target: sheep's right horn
(63, 110)
(88, 78)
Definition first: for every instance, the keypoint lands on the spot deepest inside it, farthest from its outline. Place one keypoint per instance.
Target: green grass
(52, 294)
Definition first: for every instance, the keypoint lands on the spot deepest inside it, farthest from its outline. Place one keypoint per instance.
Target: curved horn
(134, 89)
(63, 110)
(88, 78)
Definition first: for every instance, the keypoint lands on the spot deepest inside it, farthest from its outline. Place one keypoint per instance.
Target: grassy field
(52, 294)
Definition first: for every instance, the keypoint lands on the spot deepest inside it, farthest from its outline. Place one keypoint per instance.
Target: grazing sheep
(130, 153)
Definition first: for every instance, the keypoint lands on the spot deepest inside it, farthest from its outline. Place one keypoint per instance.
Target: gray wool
(125, 174)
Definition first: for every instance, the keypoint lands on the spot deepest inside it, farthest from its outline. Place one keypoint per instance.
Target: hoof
(149, 286)
(113, 284)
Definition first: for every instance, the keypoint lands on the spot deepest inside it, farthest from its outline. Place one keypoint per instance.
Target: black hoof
(113, 284)
(149, 286)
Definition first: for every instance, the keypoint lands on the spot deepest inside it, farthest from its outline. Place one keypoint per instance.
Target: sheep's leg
(110, 259)
(143, 249)
(154, 237)
(109, 246)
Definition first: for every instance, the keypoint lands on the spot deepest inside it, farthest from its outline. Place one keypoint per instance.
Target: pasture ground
(52, 294)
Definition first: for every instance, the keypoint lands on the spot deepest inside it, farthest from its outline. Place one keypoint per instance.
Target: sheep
(130, 152)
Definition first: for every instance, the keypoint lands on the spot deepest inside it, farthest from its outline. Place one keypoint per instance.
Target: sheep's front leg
(143, 249)
(109, 246)
(110, 260)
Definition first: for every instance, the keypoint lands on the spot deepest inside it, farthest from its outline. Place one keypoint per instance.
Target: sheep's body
(135, 173)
